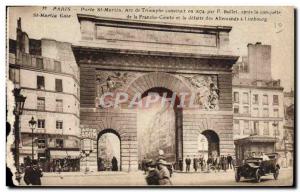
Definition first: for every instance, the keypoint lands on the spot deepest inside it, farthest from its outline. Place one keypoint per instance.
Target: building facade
(289, 133)
(257, 99)
(46, 72)
(136, 58)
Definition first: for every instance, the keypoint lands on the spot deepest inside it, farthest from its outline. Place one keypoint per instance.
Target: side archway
(213, 141)
(109, 150)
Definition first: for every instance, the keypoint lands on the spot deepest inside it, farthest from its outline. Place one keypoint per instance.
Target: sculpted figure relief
(206, 87)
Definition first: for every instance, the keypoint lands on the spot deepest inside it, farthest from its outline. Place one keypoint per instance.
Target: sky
(278, 31)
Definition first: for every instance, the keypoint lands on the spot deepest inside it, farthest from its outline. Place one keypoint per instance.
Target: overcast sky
(278, 31)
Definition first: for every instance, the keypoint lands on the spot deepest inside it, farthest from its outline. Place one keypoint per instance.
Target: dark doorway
(213, 142)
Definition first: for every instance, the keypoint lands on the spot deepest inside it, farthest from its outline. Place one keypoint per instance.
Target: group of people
(104, 164)
(32, 173)
(158, 171)
(63, 165)
(216, 163)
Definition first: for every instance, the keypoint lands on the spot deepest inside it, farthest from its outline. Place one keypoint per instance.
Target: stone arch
(109, 130)
(157, 79)
(213, 141)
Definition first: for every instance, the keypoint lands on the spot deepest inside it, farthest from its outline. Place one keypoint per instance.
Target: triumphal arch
(134, 59)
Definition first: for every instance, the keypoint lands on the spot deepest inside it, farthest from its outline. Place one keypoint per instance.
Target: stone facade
(136, 65)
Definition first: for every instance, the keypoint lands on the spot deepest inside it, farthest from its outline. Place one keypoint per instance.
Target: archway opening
(203, 146)
(109, 151)
(213, 142)
(160, 127)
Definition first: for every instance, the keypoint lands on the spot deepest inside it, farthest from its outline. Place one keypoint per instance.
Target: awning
(55, 154)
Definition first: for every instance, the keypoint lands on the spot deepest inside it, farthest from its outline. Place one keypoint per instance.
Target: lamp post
(32, 125)
(275, 133)
(18, 110)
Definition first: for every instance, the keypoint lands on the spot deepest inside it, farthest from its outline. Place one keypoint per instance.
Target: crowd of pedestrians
(212, 163)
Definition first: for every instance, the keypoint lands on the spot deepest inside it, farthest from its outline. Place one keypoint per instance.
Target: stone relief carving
(112, 81)
(206, 89)
(108, 81)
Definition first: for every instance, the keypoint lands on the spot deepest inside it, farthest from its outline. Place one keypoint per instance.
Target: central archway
(159, 127)
(109, 151)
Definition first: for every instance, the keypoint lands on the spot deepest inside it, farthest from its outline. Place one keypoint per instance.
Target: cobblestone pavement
(179, 179)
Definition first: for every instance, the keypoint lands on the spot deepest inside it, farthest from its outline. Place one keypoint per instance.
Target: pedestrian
(223, 163)
(153, 174)
(114, 163)
(180, 165)
(164, 173)
(201, 162)
(144, 168)
(217, 163)
(188, 164)
(195, 163)
(209, 162)
(33, 174)
(229, 161)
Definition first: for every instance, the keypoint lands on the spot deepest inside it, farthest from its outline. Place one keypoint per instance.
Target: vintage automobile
(256, 167)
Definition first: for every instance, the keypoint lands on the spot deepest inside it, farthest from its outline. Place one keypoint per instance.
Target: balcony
(44, 63)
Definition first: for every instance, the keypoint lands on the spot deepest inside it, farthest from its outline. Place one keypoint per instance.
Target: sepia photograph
(150, 96)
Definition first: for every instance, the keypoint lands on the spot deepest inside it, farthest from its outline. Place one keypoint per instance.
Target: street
(178, 179)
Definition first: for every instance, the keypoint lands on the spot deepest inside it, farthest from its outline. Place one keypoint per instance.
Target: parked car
(256, 167)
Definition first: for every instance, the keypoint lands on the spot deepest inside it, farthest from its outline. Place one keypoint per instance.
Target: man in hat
(164, 174)
(153, 174)
(33, 174)
(195, 163)
(188, 163)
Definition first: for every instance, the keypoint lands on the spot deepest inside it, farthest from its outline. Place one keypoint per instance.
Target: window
(255, 128)
(236, 127)
(59, 143)
(59, 124)
(265, 112)
(255, 112)
(39, 63)
(41, 123)
(245, 98)
(276, 130)
(236, 97)
(275, 100)
(57, 66)
(14, 75)
(246, 110)
(236, 109)
(255, 98)
(58, 85)
(265, 99)
(41, 103)
(276, 112)
(40, 82)
(246, 130)
(59, 105)
(41, 143)
(266, 128)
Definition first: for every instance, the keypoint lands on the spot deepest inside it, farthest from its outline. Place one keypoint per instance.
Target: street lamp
(32, 125)
(18, 110)
(275, 133)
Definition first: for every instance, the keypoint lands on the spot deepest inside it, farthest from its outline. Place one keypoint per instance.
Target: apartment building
(46, 72)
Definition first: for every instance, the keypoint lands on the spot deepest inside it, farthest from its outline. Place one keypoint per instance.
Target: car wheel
(276, 174)
(237, 175)
(257, 176)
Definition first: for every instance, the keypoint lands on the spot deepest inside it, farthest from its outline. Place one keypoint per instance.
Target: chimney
(19, 23)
